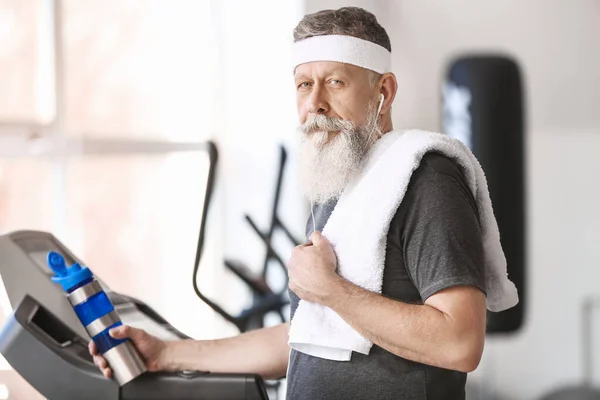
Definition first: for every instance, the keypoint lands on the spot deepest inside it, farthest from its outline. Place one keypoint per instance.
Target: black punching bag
(483, 107)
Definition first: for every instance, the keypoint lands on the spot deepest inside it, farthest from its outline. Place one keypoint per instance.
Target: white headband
(344, 49)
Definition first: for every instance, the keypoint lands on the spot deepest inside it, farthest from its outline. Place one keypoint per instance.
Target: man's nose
(318, 103)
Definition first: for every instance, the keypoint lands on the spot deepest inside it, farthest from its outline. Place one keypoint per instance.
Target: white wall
(556, 44)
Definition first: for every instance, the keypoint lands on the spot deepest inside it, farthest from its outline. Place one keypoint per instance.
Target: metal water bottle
(97, 314)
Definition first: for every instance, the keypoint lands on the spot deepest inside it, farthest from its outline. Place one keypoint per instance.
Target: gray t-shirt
(434, 242)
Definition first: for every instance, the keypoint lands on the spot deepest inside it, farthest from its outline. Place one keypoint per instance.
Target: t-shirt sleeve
(440, 234)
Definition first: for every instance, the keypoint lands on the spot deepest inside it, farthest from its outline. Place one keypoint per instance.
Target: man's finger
(316, 238)
(100, 362)
(107, 373)
(92, 348)
(125, 331)
(119, 332)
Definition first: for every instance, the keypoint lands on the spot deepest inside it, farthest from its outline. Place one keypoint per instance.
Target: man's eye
(304, 85)
(335, 82)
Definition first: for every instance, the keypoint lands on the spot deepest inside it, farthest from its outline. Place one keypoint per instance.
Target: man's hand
(312, 269)
(152, 349)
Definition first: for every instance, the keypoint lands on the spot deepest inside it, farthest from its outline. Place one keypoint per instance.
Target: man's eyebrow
(338, 71)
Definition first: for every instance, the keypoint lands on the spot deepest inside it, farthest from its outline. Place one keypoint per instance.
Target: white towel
(317, 330)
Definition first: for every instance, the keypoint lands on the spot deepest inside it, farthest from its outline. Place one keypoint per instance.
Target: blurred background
(106, 107)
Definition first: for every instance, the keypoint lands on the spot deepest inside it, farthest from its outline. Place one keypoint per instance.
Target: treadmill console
(24, 271)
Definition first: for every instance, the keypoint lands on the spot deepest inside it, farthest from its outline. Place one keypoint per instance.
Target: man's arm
(448, 331)
(264, 351)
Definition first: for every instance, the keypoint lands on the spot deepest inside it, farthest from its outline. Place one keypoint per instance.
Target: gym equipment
(265, 300)
(44, 341)
(585, 390)
(483, 107)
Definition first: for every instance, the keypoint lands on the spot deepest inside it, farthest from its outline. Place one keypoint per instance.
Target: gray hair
(350, 21)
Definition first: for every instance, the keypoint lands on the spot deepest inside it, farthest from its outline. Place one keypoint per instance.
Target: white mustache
(322, 123)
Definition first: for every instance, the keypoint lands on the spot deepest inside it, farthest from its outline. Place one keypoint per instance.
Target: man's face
(333, 89)
(337, 107)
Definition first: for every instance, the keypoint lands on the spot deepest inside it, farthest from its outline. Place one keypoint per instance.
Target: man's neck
(385, 123)
(386, 127)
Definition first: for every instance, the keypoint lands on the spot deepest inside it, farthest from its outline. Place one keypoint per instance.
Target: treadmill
(46, 344)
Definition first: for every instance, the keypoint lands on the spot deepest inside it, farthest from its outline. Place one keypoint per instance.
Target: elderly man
(417, 328)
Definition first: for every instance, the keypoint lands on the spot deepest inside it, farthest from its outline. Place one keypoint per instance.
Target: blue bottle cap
(67, 277)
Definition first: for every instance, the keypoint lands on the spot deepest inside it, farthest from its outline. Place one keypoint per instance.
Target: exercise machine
(46, 344)
(265, 299)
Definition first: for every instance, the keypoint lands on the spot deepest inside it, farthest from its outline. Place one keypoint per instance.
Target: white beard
(326, 168)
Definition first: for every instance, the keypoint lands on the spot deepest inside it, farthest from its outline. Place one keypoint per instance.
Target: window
(26, 194)
(138, 69)
(25, 62)
(101, 140)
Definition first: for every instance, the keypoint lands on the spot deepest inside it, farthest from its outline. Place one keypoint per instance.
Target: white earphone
(380, 104)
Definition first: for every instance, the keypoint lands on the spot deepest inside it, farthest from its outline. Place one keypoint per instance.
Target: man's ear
(389, 87)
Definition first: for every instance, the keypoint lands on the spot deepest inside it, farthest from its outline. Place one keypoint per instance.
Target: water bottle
(97, 314)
